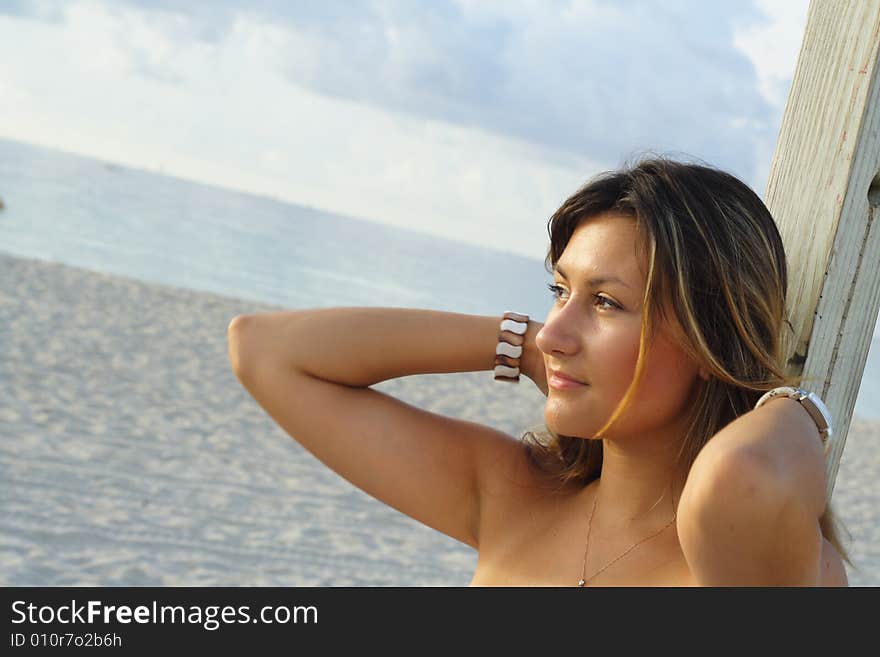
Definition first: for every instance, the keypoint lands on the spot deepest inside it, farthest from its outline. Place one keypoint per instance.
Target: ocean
(179, 478)
(113, 219)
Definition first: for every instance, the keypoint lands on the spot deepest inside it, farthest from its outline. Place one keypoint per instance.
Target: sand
(132, 456)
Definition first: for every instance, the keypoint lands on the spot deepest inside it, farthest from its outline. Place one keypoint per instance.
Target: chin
(561, 426)
(556, 420)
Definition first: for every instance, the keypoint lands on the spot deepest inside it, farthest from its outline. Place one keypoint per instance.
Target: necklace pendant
(581, 583)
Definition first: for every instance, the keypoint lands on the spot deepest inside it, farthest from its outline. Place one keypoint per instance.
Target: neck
(638, 490)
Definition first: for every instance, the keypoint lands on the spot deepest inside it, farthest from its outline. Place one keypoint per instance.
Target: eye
(556, 289)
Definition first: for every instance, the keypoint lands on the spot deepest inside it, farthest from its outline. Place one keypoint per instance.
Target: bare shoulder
(833, 572)
(511, 489)
(509, 474)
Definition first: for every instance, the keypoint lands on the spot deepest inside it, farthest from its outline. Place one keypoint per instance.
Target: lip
(562, 382)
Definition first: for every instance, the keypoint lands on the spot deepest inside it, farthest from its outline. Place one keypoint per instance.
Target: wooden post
(824, 192)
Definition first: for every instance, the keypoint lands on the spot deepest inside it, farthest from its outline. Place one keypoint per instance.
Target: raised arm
(311, 370)
(749, 512)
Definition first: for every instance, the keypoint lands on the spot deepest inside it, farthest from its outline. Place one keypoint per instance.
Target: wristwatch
(810, 401)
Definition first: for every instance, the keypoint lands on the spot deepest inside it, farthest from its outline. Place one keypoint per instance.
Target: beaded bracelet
(510, 346)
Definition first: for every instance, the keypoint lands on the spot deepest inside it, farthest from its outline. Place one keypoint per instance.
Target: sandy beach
(131, 455)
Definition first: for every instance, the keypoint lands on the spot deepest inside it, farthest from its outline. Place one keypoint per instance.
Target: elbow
(256, 340)
(732, 485)
(235, 333)
(728, 521)
(237, 326)
(726, 481)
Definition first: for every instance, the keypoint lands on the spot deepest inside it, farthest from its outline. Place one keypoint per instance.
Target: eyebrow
(597, 280)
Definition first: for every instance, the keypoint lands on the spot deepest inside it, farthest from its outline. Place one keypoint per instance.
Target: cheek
(668, 377)
(615, 361)
(610, 365)
(663, 391)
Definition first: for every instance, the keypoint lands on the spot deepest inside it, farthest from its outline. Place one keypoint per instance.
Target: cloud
(583, 77)
(116, 85)
(773, 46)
(50, 11)
(472, 119)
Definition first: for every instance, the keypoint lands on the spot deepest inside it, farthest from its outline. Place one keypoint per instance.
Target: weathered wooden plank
(824, 192)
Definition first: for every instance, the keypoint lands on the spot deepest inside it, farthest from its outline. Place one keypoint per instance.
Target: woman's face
(592, 334)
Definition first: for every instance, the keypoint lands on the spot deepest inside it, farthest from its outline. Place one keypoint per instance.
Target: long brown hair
(716, 259)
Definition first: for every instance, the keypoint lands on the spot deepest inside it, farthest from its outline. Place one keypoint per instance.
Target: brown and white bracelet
(510, 346)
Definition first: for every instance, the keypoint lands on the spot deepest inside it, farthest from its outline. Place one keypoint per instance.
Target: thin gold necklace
(583, 582)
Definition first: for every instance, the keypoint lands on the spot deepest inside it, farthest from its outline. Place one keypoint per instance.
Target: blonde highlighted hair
(717, 262)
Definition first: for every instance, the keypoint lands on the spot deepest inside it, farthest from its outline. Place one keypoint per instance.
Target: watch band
(811, 402)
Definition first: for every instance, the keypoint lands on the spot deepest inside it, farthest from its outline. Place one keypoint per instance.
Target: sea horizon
(111, 218)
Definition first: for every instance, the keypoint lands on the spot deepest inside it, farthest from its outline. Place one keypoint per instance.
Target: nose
(561, 332)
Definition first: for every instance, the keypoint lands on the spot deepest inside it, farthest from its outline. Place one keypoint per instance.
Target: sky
(468, 119)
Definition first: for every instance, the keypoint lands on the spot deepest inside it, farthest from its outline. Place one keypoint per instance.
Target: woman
(655, 468)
